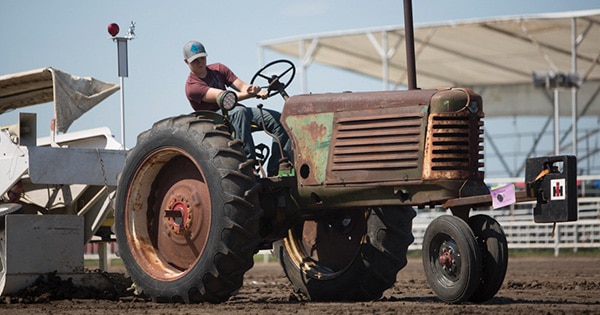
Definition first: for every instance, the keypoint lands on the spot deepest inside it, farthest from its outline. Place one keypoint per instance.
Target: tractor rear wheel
(187, 214)
(348, 255)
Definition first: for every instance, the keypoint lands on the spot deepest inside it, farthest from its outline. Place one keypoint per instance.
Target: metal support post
(113, 30)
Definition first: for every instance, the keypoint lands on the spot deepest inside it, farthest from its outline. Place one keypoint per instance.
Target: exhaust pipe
(409, 39)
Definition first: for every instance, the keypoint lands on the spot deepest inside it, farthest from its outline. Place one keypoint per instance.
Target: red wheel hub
(178, 215)
(446, 259)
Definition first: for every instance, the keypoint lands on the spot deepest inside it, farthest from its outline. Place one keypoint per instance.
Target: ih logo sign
(558, 189)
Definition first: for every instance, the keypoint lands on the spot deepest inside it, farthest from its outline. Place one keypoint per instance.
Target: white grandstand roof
(496, 57)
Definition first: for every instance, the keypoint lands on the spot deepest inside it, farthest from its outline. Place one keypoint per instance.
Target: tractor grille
(455, 144)
(385, 142)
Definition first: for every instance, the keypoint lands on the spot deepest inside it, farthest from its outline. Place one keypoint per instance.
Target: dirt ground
(568, 284)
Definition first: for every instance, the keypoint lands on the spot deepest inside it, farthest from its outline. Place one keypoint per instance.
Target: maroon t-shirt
(217, 76)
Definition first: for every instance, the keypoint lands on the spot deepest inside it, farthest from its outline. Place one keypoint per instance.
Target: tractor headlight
(227, 100)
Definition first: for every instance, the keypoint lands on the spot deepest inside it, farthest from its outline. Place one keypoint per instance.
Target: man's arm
(243, 91)
(211, 95)
(246, 91)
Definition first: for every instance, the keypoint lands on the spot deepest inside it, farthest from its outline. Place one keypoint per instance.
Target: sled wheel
(186, 215)
(494, 256)
(451, 259)
(348, 255)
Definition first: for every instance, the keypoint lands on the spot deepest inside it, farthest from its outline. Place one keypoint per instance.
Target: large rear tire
(348, 255)
(187, 214)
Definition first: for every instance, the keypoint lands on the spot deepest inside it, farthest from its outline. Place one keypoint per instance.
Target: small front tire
(451, 259)
(494, 255)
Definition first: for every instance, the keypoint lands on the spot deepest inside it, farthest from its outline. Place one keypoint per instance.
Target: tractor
(191, 210)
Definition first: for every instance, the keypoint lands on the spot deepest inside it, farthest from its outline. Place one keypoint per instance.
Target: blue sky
(72, 36)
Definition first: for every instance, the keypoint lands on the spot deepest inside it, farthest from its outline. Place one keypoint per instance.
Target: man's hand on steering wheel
(263, 94)
(257, 91)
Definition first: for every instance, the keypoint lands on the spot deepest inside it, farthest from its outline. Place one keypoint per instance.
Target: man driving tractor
(206, 82)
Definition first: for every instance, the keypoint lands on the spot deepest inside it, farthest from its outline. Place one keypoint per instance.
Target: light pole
(555, 81)
(113, 30)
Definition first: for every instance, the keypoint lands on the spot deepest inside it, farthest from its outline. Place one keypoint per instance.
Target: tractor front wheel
(494, 255)
(451, 259)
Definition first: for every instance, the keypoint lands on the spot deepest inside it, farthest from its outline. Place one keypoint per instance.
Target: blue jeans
(242, 118)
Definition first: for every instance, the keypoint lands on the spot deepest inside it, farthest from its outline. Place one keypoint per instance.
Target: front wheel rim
(446, 259)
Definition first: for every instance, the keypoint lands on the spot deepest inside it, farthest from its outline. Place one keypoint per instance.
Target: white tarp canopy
(496, 57)
(72, 95)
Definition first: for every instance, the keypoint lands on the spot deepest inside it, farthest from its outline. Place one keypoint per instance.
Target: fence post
(576, 236)
(557, 241)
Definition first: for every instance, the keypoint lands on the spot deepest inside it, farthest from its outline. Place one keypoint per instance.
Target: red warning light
(113, 29)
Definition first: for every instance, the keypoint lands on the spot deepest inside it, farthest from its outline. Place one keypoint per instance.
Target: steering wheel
(275, 85)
